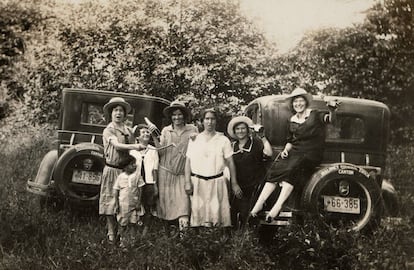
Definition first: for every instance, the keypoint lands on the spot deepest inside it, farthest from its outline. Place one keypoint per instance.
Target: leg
(111, 226)
(268, 188)
(284, 194)
(235, 212)
(123, 231)
(183, 224)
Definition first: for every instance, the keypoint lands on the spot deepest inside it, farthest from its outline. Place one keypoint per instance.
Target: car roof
(349, 100)
(113, 93)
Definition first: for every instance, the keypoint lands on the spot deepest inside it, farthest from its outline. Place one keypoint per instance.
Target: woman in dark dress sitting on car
(303, 150)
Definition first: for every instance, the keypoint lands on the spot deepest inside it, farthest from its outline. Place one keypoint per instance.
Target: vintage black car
(347, 189)
(72, 172)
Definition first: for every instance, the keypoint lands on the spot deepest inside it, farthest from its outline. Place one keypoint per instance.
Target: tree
(163, 48)
(373, 60)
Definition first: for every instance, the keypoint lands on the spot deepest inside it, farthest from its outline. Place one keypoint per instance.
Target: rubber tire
(73, 152)
(321, 178)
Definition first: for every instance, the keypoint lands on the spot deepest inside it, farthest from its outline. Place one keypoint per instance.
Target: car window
(253, 113)
(347, 129)
(92, 114)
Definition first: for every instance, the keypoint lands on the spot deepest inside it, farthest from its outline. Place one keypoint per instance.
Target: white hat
(300, 92)
(235, 121)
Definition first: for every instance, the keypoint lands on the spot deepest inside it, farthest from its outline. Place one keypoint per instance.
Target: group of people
(201, 178)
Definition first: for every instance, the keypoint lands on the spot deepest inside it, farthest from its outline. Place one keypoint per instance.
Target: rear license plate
(86, 177)
(342, 205)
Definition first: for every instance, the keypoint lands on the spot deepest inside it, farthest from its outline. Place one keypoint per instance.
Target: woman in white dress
(207, 156)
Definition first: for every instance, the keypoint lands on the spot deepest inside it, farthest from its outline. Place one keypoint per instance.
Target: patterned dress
(112, 157)
(173, 200)
(210, 204)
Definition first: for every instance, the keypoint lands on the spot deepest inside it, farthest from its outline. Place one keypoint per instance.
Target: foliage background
(203, 51)
(206, 53)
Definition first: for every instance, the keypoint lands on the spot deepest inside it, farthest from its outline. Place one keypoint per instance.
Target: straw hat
(177, 105)
(115, 101)
(300, 92)
(235, 121)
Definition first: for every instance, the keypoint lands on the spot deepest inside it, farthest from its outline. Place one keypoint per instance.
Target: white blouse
(207, 155)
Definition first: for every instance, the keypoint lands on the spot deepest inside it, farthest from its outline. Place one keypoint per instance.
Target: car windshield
(92, 114)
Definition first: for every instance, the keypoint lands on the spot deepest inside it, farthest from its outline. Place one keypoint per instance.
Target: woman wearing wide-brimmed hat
(303, 150)
(117, 140)
(173, 202)
(250, 150)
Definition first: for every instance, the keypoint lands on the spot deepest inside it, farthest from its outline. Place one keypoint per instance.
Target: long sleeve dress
(307, 139)
(173, 201)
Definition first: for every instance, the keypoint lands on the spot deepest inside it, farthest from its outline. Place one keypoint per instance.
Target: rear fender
(42, 183)
(390, 197)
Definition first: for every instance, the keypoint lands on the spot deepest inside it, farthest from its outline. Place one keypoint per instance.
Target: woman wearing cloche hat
(303, 150)
(116, 140)
(173, 201)
(249, 151)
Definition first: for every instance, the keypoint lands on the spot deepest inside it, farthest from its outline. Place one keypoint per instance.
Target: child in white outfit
(147, 168)
(128, 199)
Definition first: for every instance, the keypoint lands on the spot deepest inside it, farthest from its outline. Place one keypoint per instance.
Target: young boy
(147, 168)
(127, 199)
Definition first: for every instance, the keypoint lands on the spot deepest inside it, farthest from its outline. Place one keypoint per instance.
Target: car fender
(63, 172)
(359, 179)
(391, 199)
(41, 184)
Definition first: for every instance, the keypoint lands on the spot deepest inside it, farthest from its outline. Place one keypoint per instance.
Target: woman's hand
(156, 191)
(284, 154)
(139, 146)
(188, 187)
(237, 191)
(193, 136)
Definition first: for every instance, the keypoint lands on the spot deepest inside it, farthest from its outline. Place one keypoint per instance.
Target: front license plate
(342, 205)
(86, 177)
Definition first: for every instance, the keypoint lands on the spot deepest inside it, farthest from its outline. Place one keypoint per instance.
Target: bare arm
(233, 178)
(267, 148)
(285, 152)
(187, 173)
(123, 146)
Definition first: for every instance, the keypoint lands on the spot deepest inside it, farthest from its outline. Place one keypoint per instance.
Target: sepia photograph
(207, 134)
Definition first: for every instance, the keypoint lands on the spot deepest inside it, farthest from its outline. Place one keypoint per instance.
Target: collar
(246, 148)
(295, 118)
(123, 131)
(171, 129)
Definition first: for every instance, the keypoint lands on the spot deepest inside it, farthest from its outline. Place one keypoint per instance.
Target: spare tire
(344, 196)
(78, 172)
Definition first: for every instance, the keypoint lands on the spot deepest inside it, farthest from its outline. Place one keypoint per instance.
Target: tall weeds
(34, 238)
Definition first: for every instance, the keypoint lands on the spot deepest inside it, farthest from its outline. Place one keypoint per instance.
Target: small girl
(127, 199)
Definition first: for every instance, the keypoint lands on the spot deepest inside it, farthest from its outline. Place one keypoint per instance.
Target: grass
(32, 238)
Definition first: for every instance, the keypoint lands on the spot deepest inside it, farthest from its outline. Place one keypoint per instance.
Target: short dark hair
(110, 109)
(137, 131)
(126, 161)
(209, 110)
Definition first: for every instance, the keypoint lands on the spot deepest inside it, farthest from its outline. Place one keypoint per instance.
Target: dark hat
(115, 101)
(177, 105)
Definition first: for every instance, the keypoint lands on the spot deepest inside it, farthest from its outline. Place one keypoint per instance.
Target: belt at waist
(113, 166)
(207, 177)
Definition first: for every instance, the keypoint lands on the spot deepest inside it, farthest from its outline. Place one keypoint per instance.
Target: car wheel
(344, 196)
(78, 172)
